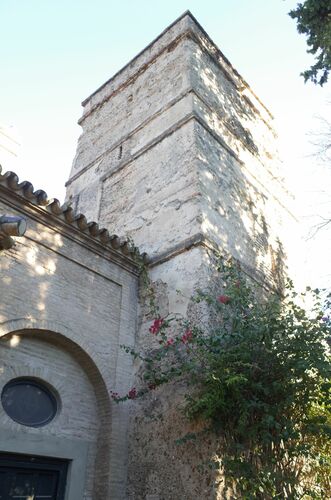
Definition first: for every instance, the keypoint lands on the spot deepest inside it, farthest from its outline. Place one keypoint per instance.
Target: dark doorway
(32, 478)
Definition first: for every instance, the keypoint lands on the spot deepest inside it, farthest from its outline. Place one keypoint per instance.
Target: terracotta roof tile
(66, 213)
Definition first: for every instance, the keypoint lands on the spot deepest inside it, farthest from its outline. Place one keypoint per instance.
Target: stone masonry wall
(178, 153)
(177, 145)
(154, 200)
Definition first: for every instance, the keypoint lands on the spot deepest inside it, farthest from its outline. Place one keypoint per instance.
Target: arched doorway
(77, 437)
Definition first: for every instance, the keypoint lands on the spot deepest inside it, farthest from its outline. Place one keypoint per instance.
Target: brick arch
(56, 329)
(61, 336)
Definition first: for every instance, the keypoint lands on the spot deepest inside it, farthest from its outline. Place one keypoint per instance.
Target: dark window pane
(22, 485)
(47, 485)
(28, 402)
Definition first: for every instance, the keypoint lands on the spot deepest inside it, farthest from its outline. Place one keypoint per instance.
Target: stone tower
(178, 153)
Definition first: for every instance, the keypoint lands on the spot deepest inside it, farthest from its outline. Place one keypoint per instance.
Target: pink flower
(132, 393)
(114, 395)
(170, 342)
(156, 326)
(223, 299)
(187, 336)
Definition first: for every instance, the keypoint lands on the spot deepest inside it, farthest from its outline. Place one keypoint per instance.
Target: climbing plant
(258, 377)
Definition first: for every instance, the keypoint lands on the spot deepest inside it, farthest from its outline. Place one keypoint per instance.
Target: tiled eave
(62, 219)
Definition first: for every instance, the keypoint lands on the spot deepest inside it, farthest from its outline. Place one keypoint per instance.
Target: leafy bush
(259, 379)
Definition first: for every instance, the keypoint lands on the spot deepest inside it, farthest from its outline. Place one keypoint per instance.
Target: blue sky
(55, 53)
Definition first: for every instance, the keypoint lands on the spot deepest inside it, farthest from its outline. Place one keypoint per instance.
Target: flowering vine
(260, 379)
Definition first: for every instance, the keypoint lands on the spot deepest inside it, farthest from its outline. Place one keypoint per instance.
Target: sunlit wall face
(67, 303)
(176, 145)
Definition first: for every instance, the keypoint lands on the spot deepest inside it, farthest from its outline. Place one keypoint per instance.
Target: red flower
(170, 342)
(187, 336)
(223, 299)
(156, 326)
(132, 393)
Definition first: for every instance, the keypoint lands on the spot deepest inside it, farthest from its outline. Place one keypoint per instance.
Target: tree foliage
(314, 20)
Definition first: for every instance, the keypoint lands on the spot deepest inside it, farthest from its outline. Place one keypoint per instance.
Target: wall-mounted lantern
(10, 226)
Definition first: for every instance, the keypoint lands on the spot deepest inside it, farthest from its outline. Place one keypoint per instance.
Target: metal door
(32, 478)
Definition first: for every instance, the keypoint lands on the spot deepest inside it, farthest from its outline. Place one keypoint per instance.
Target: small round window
(29, 402)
